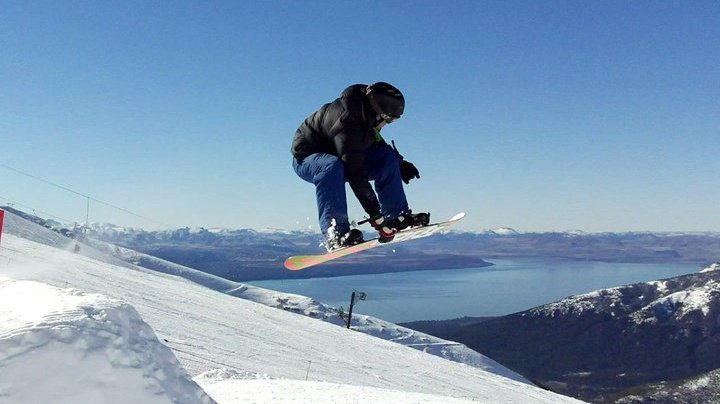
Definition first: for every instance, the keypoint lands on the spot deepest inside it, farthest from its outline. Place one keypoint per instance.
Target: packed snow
(65, 346)
(78, 325)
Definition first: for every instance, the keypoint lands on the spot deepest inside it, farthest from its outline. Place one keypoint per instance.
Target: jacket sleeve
(350, 149)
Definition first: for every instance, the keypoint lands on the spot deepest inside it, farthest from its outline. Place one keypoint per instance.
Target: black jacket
(344, 128)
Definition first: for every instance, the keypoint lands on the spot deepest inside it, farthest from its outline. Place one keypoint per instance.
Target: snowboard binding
(409, 220)
(338, 241)
(405, 221)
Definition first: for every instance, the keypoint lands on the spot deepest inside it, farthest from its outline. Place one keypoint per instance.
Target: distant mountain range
(648, 342)
(245, 254)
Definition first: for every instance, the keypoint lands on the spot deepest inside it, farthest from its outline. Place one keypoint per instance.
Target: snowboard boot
(348, 239)
(409, 219)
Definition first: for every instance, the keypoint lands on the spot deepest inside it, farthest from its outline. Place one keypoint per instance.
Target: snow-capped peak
(504, 231)
(713, 267)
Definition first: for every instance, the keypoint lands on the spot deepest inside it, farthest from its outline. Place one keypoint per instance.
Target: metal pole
(352, 303)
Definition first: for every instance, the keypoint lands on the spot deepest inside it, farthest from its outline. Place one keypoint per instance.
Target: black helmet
(386, 100)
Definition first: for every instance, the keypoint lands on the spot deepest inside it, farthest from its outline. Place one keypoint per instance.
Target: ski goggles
(389, 118)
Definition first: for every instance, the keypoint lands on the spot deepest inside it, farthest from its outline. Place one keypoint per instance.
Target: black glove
(386, 233)
(408, 170)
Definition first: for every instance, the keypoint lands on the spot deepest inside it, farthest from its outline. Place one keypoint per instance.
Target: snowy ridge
(713, 267)
(656, 301)
(614, 342)
(230, 346)
(114, 355)
(679, 304)
(595, 301)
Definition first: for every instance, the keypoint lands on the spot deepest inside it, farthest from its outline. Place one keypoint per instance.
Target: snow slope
(291, 302)
(233, 347)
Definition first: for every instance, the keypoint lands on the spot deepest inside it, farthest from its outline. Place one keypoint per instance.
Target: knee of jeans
(332, 172)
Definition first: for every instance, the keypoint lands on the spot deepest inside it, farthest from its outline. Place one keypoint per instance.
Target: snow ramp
(65, 346)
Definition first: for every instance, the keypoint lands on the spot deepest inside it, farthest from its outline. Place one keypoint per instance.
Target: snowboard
(299, 262)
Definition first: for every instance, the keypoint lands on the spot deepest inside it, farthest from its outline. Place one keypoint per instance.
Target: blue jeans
(327, 173)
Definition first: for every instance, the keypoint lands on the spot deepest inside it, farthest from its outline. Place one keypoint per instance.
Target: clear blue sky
(537, 115)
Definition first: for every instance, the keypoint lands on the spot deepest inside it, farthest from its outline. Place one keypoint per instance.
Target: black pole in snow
(352, 303)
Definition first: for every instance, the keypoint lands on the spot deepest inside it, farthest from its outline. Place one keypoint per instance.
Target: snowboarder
(340, 143)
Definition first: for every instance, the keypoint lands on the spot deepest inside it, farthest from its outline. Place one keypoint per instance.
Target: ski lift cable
(88, 197)
(48, 214)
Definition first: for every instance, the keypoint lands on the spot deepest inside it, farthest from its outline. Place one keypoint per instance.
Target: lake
(509, 286)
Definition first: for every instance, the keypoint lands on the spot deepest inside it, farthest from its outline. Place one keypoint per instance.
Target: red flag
(2, 216)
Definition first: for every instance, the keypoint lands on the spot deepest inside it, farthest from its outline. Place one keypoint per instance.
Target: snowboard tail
(299, 262)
